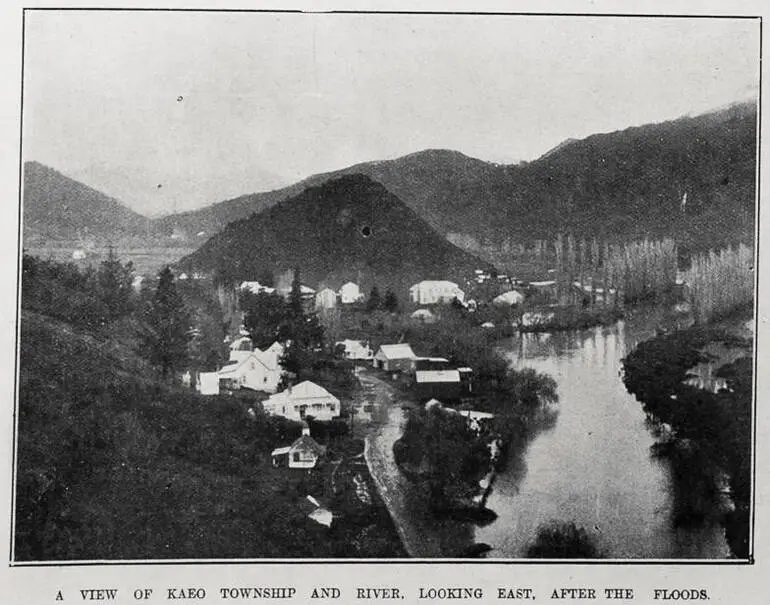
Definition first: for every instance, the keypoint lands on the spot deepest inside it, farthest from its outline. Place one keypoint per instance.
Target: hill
(57, 207)
(348, 228)
(621, 185)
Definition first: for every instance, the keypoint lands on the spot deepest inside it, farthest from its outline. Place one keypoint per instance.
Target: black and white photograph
(386, 286)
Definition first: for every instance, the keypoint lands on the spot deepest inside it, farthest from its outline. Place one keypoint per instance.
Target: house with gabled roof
(305, 452)
(395, 358)
(429, 292)
(303, 400)
(326, 299)
(252, 370)
(350, 293)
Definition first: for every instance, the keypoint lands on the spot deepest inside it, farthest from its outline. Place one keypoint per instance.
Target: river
(592, 466)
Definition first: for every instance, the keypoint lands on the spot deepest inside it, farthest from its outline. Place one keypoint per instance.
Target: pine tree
(375, 301)
(114, 283)
(391, 302)
(169, 326)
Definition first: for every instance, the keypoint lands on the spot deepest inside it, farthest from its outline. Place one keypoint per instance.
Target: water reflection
(594, 467)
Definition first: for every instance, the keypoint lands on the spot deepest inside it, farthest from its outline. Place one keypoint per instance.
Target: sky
(169, 111)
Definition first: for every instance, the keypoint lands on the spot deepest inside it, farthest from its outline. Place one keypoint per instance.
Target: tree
(375, 301)
(560, 540)
(265, 317)
(169, 326)
(391, 302)
(115, 290)
(296, 309)
(267, 279)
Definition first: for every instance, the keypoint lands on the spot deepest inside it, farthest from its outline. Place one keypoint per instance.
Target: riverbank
(696, 386)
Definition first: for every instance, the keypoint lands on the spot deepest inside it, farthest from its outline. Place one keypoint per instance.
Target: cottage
(350, 293)
(395, 358)
(255, 371)
(305, 452)
(437, 384)
(326, 299)
(429, 292)
(510, 298)
(356, 350)
(302, 400)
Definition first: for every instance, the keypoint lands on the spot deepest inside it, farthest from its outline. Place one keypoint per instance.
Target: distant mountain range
(57, 207)
(348, 228)
(620, 185)
(692, 179)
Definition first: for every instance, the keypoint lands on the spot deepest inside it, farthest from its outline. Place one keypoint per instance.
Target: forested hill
(57, 207)
(350, 228)
(620, 185)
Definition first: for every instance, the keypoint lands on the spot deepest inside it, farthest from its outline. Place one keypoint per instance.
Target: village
(336, 423)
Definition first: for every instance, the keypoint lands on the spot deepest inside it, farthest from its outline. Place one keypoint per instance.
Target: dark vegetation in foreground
(705, 435)
(116, 461)
(562, 540)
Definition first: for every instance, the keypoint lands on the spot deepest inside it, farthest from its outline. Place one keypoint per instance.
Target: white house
(510, 298)
(356, 349)
(241, 348)
(254, 371)
(326, 299)
(208, 383)
(395, 357)
(256, 287)
(430, 292)
(350, 293)
(305, 452)
(304, 399)
(274, 353)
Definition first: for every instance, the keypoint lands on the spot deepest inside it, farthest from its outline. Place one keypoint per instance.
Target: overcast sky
(213, 105)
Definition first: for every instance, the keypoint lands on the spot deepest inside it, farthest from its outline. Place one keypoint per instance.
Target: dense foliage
(707, 434)
(721, 282)
(92, 298)
(113, 463)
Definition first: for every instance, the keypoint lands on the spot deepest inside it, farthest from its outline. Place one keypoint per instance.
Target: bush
(562, 540)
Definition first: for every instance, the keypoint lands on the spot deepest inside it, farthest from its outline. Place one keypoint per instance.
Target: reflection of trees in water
(704, 436)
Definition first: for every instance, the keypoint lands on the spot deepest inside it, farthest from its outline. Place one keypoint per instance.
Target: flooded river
(593, 466)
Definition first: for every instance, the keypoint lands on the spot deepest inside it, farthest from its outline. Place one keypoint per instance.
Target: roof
(233, 366)
(465, 369)
(309, 390)
(326, 290)
(512, 296)
(426, 376)
(542, 284)
(243, 340)
(349, 284)
(306, 442)
(256, 287)
(281, 451)
(422, 313)
(397, 351)
(428, 283)
(436, 359)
